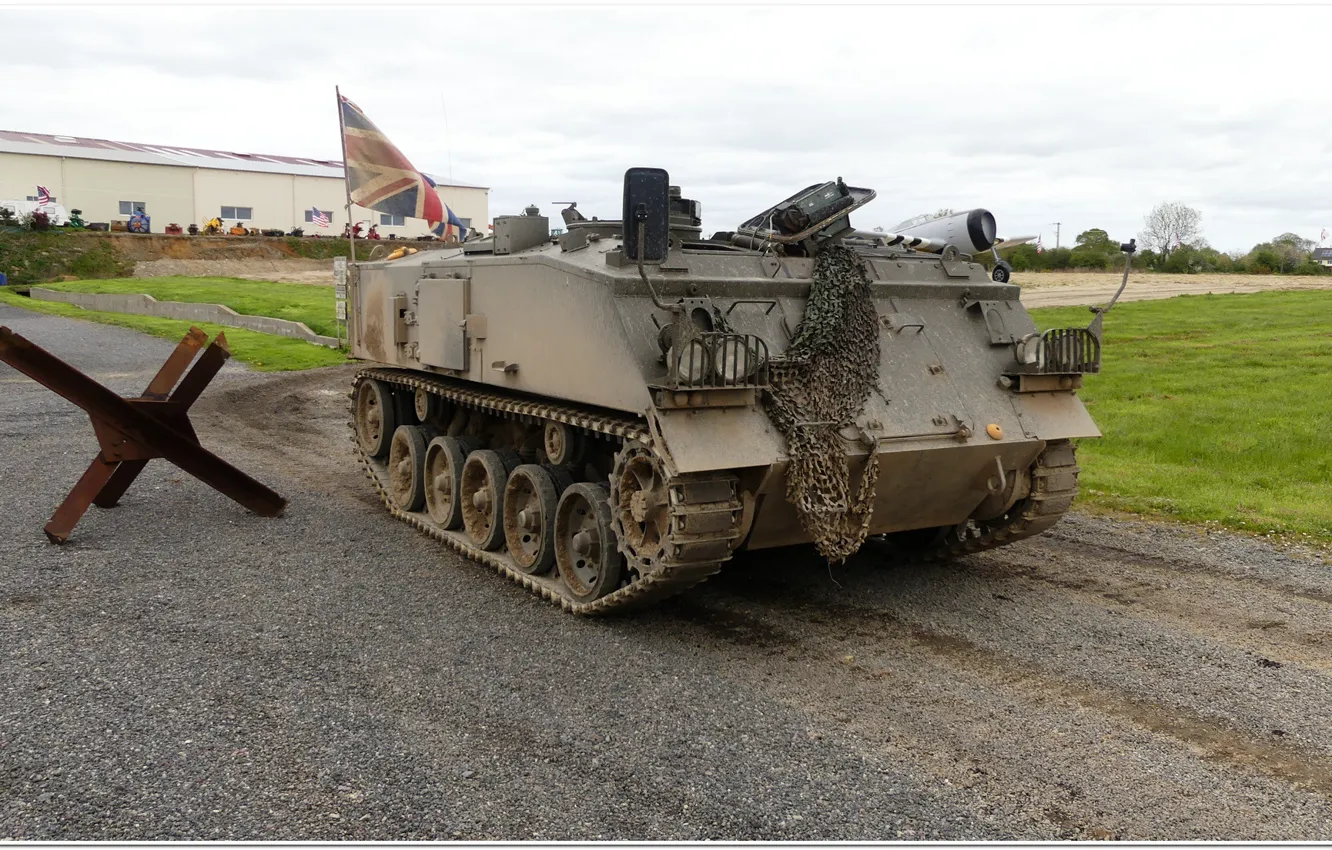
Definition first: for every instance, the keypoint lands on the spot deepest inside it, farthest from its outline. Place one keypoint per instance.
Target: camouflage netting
(828, 372)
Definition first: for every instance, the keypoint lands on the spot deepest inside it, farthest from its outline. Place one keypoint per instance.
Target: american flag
(43, 196)
(318, 217)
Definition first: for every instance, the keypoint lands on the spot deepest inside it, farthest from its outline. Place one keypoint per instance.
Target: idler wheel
(585, 547)
(376, 417)
(406, 467)
(444, 460)
(530, 499)
(481, 497)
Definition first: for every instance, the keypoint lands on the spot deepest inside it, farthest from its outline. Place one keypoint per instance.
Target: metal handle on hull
(641, 215)
(1003, 479)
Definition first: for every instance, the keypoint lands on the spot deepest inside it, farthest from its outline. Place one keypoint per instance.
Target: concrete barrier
(147, 305)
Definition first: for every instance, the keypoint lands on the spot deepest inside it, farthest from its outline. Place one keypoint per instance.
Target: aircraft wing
(1013, 243)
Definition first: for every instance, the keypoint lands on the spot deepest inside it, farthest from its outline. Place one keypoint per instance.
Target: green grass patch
(1215, 409)
(328, 248)
(264, 352)
(297, 302)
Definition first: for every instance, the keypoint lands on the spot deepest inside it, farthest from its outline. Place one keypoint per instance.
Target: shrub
(37, 221)
(1089, 257)
(1264, 261)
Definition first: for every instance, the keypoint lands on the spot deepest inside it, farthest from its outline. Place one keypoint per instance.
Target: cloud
(1085, 116)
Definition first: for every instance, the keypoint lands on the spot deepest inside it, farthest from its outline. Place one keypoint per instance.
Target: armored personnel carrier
(607, 416)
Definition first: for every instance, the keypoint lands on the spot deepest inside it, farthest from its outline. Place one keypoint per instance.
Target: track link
(650, 587)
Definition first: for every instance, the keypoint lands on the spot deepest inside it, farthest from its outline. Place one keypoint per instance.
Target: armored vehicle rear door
(917, 396)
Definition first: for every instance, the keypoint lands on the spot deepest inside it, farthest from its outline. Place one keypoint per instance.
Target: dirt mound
(252, 268)
(1057, 289)
(139, 248)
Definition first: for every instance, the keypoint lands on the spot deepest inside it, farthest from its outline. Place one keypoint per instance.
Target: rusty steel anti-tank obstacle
(133, 431)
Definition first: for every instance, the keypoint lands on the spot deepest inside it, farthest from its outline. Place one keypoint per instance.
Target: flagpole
(346, 177)
(346, 184)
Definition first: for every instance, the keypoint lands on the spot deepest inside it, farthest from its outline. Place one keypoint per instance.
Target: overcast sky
(1083, 115)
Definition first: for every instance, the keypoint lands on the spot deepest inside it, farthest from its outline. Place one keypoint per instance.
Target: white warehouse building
(173, 185)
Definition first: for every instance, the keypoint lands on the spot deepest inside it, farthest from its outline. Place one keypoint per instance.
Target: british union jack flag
(379, 177)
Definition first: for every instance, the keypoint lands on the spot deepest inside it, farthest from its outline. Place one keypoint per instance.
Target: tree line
(1171, 241)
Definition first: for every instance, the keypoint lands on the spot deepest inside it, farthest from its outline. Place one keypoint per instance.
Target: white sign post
(340, 293)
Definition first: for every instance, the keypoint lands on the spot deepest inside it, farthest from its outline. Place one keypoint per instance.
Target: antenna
(448, 136)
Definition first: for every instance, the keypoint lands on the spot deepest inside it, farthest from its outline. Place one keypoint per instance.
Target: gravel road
(184, 670)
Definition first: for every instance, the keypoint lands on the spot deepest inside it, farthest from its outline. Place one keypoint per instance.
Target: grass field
(1215, 409)
(296, 302)
(264, 352)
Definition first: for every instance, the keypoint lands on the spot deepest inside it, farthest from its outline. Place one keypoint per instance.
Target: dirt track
(1058, 289)
(184, 669)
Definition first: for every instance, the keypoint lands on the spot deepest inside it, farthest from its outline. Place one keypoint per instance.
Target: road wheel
(481, 496)
(443, 479)
(407, 467)
(530, 499)
(585, 547)
(376, 417)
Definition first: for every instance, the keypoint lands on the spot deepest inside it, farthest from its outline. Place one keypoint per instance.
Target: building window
(131, 207)
(386, 220)
(52, 199)
(466, 222)
(309, 215)
(238, 213)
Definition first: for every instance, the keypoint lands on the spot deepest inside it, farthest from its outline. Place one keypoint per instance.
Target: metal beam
(140, 428)
(189, 390)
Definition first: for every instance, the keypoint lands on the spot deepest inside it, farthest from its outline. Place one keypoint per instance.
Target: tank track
(665, 580)
(1054, 486)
